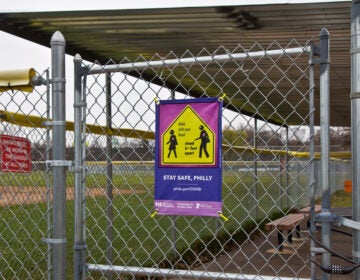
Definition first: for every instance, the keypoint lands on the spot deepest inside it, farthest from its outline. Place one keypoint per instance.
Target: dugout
(278, 77)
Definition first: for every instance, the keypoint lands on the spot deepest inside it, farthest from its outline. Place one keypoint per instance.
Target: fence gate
(268, 125)
(111, 229)
(77, 198)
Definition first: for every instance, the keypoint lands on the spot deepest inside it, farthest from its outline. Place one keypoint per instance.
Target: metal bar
(312, 190)
(325, 142)
(355, 124)
(349, 223)
(83, 172)
(58, 137)
(48, 176)
(161, 272)
(285, 168)
(191, 60)
(109, 177)
(256, 178)
(78, 199)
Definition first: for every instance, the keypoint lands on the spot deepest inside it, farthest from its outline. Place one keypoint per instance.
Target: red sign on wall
(15, 154)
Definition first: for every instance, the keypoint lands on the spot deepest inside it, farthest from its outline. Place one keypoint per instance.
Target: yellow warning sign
(188, 140)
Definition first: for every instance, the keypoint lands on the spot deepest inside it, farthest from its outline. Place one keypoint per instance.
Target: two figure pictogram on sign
(204, 140)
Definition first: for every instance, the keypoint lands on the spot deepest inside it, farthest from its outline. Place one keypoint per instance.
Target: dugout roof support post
(355, 124)
(312, 185)
(109, 177)
(325, 143)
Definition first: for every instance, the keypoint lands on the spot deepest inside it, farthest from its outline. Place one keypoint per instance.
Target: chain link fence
(265, 172)
(111, 232)
(25, 192)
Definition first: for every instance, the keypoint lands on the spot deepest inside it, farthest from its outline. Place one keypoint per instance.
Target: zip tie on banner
(221, 215)
(154, 214)
(157, 101)
(222, 97)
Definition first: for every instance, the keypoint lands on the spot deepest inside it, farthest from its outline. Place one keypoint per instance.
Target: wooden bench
(317, 209)
(289, 223)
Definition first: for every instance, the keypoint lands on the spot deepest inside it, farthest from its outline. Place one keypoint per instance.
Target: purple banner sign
(188, 157)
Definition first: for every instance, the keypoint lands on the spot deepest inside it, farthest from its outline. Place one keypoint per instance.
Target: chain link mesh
(264, 175)
(265, 172)
(23, 196)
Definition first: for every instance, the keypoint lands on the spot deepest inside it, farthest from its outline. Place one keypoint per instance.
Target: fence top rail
(99, 69)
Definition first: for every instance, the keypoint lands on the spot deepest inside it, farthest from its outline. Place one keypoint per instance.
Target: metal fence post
(79, 242)
(58, 152)
(355, 123)
(325, 135)
(109, 177)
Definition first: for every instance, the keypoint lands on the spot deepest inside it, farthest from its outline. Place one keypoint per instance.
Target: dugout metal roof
(103, 34)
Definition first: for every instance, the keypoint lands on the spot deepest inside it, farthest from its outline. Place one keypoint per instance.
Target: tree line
(232, 138)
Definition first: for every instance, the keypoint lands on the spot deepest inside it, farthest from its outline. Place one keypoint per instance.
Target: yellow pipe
(39, 122)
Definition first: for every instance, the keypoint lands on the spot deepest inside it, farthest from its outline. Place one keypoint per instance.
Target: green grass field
(138, 239)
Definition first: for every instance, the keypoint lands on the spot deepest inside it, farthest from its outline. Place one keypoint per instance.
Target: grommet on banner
(221, 215)
(222, 97)
(157, 101)
(154, 214)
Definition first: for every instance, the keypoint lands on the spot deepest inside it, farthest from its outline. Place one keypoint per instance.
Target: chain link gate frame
(177, 263)
(174, 257)
(107, 82)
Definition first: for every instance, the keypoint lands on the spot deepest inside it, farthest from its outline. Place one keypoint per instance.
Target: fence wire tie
(222, 97)
(157, 100)
(221, 215)
(154, 213)
(161, 76)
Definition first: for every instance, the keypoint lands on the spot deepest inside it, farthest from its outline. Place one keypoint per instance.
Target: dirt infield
(30, 195)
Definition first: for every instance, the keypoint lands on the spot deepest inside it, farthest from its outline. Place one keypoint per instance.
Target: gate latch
(64, 163)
